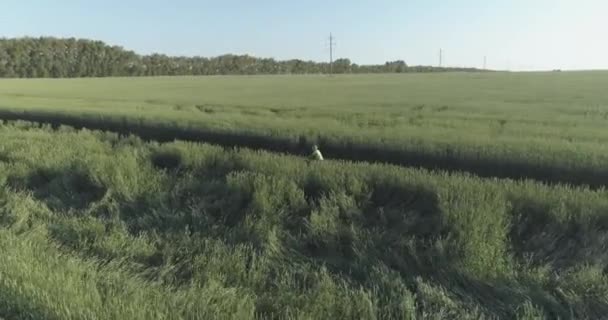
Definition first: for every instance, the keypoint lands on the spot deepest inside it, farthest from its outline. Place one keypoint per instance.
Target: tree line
(48, 57)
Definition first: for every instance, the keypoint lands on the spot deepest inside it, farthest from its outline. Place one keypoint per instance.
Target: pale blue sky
(514, 34)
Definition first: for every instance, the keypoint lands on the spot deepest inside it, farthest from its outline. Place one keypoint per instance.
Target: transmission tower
(332, 43)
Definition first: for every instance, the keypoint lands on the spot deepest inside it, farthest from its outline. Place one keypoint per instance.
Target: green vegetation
(544, 126)
(98, 226)
(67, 58)
(102, 225)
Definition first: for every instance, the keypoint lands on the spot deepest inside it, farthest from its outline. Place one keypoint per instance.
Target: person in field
(316, 154)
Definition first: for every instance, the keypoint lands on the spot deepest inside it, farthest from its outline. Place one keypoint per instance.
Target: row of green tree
(60, 58)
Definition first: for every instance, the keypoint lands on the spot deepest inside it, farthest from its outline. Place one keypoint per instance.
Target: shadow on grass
(539, 236)
(61, 189)
(4, 157)
(167, 160)
(396, 225)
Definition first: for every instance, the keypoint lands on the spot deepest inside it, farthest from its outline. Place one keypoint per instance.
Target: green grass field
(544, 126)
(97, 225)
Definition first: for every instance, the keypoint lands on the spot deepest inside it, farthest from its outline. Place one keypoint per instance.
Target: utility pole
(484, 62)
(332, 43)
(440, 58)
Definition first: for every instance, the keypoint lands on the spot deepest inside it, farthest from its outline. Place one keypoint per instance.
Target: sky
(511, 34)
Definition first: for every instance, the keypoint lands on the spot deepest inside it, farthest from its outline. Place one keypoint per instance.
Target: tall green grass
(544, 126)
(99, 226)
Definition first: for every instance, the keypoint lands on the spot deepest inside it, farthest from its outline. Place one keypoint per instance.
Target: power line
(332, 43)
